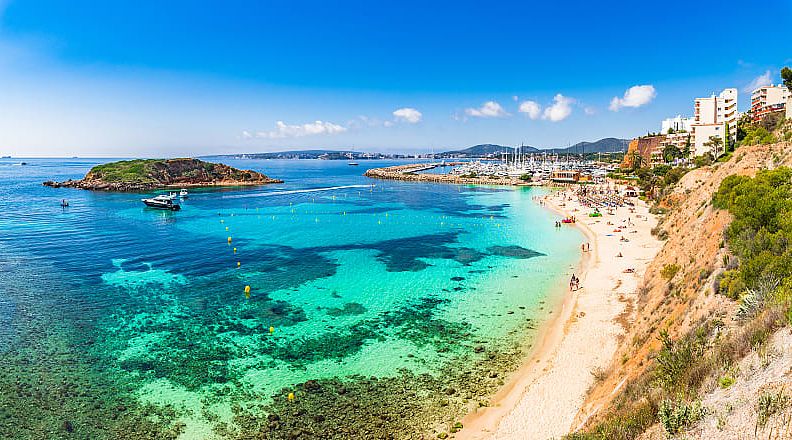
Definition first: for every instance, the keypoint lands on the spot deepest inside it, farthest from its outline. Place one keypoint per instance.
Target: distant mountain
(485, 150)
(606, 145)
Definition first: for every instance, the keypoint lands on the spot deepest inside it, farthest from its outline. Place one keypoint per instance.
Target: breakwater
(411, 173)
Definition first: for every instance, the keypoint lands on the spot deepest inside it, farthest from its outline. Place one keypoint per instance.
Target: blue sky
(165, 78)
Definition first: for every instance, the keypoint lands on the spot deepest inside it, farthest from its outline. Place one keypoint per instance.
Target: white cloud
(407, 114)
(532, 109)
(560, 109)
(283, 130)
(489, 109)
(759, 81)
(635, 96)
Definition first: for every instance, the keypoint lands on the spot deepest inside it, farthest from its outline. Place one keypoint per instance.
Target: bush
(675, 417)
(702, 161)
(730, 284)
(668, 271)
(770, 403)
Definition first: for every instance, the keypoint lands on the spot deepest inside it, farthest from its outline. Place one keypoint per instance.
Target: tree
(727, 143)
(786, 76)
(671, 152)
(771, 121)
(686, 149)
(714, 143)
(637, 160)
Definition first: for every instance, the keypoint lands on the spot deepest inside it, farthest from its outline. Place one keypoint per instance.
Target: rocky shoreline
(410, 173)
(146, 175)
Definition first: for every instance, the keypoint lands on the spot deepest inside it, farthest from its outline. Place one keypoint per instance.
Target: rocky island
(148, 174)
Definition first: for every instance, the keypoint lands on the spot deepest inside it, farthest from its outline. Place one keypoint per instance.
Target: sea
(329, 306)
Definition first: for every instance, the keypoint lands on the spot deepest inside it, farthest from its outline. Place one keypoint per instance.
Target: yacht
(183, 193)
(162, 202)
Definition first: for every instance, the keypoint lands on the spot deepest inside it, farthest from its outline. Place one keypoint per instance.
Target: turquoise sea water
(119, 321)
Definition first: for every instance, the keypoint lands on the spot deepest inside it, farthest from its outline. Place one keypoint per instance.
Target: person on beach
(583, 247)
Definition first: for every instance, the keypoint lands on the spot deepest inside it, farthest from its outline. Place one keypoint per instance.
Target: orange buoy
(229, 240)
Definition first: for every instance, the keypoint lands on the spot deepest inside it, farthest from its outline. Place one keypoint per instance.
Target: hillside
(684, 347)
(147, 174)
(606, 145)
(484, 150)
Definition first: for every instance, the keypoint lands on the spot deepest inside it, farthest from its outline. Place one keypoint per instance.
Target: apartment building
(769, 99)
(676, 124)
(714, 117)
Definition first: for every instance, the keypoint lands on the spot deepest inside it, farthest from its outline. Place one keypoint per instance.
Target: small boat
(162, 202)
(353, 164)
(183, 193)
(64, 203)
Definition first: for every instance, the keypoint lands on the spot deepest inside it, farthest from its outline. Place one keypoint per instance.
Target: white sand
(542, 399)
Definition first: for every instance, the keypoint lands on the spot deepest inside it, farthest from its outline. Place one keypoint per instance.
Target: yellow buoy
(247, 291)
(290, 396)
(234, 250)
(272, 329)
(226, 228)
(239, 263)
(229, 240)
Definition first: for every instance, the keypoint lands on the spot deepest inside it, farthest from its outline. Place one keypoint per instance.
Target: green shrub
(770, 403)
(675, 417)
(730, 284)
(726, 381)
(668, 271)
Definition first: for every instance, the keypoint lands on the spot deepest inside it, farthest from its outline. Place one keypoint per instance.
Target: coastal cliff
(148, 174)
(688, 361)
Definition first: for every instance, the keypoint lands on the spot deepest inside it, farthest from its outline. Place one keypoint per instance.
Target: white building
(768, 99)
(677, 124)
(712, 116)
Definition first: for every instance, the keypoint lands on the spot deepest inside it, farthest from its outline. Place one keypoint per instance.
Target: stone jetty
(412, 173)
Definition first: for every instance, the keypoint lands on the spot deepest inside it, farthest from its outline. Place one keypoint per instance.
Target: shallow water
(349, 278)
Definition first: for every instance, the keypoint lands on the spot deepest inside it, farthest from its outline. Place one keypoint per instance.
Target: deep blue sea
(120, 320)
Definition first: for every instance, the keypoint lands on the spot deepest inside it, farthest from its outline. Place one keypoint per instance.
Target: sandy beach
(542, 399)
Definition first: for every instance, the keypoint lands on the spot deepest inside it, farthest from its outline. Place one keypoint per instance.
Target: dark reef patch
(406, 254)
(351, 308)
(514, 251)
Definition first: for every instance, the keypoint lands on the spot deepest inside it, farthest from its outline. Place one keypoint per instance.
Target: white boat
(183, 193)
(162, 201)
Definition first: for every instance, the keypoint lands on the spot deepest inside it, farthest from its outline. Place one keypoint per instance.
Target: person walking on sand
(588, 247)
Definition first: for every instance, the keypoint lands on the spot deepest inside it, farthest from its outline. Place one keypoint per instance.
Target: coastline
(410, 173)
(543, 397)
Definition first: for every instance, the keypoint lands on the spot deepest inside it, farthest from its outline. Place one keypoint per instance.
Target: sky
(155, 79)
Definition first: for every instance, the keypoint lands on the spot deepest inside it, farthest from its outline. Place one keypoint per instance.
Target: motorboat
(353, 164)
(162, 202)
(183, 193)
